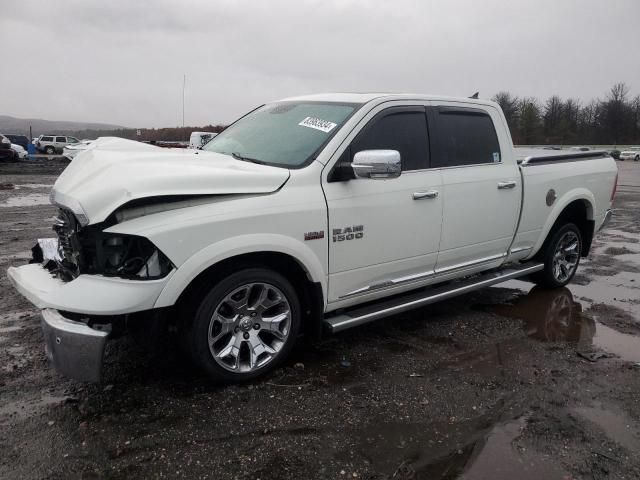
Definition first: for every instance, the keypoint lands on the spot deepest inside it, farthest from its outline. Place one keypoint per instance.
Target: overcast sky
(123, 61)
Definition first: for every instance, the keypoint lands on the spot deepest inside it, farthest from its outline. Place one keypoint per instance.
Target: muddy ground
(498, 384)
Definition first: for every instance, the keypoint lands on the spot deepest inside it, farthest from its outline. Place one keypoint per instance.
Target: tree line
(556, 121)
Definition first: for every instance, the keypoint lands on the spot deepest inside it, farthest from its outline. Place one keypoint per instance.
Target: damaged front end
(89, 250)
(74, 341)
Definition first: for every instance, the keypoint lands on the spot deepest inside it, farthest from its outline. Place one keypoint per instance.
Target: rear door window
(47, 139)
(61, 139)
(400, 128)
(465, 136)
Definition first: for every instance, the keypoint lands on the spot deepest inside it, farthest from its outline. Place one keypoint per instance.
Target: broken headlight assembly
(126, 256)
(91, 250)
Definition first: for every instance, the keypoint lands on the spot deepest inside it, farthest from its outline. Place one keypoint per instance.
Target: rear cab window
(47, 139)
(465, 136)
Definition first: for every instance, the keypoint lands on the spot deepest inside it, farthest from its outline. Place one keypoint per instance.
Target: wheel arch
(576, 207)
(207, 266)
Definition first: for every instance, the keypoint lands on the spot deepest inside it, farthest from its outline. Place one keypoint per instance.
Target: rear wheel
(561, 256)
(245, 326)
(637, 158)
(50, 150)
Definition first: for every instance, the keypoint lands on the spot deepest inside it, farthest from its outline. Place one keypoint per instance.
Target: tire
(561, 258)
(636, 159)
(50, 150)
(232, 336)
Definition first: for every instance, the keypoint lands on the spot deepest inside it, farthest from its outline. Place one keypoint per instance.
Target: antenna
(184, 84)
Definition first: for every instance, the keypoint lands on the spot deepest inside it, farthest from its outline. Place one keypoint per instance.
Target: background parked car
(632, 153)
(20, 152)
(6, 152)
(615, 154)
(21, 140)
(52, 144)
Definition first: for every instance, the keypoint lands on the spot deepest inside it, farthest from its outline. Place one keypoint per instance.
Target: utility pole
(184, 84)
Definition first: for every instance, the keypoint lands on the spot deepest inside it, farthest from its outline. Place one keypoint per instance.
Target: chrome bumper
(74, 348)
(607, 218)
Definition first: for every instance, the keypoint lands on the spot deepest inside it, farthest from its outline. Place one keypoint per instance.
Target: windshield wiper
(237, 156)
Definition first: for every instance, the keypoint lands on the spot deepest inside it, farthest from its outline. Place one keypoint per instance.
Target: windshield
(285, 134)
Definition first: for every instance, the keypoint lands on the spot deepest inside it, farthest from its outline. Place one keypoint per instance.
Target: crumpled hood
(114, 171)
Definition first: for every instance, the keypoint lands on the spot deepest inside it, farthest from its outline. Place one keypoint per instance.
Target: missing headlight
(129, 256)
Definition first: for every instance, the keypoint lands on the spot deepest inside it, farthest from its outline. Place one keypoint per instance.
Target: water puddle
(554, 316)
(619, 290)
(23, 255)
(466, 450)
(34, 185)
(549, 315)
(29, 200)
(616, 425)
(623, 345)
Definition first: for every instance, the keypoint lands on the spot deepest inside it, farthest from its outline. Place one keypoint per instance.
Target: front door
(481, 190)
(384, 234)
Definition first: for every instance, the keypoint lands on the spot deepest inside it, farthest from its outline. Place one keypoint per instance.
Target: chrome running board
(383, 308)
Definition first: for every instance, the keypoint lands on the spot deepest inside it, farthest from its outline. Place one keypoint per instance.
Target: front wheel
(637, 158)
(561, 256)
(49, 150)
(245, 326)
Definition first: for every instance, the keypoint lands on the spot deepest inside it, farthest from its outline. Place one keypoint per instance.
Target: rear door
(384, 234)
(481, 189)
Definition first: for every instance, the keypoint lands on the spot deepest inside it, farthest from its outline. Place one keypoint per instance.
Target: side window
(399, 129)
(465, 137)
(47, 139)
(72, 140)
(61, 140)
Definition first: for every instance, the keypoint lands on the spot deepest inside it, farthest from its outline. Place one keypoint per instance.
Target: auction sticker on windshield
(318, 124)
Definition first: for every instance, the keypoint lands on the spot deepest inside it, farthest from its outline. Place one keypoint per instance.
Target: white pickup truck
(319, 211)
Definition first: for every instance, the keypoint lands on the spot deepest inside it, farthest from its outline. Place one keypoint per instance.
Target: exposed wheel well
(309, 292)
(577, 212)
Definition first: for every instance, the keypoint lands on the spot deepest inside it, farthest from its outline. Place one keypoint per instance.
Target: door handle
(504, 185)
(427, 194)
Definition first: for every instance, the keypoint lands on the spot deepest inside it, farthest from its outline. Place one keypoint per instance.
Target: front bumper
(74, 348)
(86, 294)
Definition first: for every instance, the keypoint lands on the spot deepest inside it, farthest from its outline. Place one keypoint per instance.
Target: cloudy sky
(122, 61)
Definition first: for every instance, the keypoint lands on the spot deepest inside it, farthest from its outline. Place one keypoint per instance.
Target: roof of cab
(362, 98)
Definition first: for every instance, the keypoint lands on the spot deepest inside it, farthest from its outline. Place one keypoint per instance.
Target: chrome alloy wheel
(566, 256)
(249, 327)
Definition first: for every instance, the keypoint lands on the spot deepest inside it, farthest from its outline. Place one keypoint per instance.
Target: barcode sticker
(318, 124)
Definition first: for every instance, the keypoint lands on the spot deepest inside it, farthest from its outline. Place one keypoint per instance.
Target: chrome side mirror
(377, 164)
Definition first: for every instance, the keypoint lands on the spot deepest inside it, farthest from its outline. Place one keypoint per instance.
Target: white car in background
(632, 153)
(70, 151)
(22, 153)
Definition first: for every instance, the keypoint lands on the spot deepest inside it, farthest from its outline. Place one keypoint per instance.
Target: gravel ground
(498, 384)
